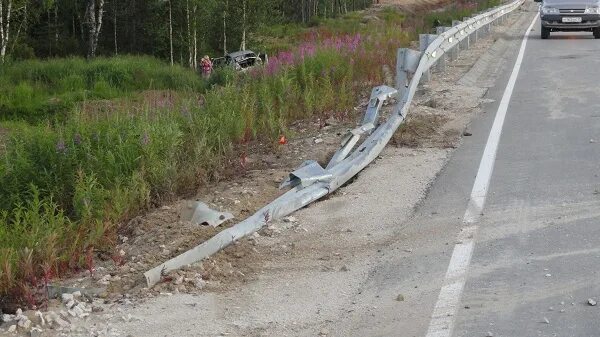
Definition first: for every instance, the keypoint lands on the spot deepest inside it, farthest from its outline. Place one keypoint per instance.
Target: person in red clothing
(206, 66)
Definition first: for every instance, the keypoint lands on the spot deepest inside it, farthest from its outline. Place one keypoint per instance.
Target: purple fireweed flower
(341, 44)
(77, 139)
(145, 139)
(185, 112)
(61, 147)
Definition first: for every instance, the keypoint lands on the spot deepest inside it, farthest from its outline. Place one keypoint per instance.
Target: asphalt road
(537, 248)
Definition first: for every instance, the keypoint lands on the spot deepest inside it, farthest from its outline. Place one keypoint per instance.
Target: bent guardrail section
(311, 182)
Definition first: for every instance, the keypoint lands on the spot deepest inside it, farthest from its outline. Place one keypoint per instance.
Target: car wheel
(596, 32)
(546, 33)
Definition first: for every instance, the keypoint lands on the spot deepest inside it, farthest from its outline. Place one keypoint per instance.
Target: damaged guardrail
(310, 182)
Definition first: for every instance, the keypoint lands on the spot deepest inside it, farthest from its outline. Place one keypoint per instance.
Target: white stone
(41, 317)
(591, 302)
(290, 219)
(66, 298)
(61, 322)
(12, 328)
(24, 323)
(76, 294)
(105, 280)
(35, 332)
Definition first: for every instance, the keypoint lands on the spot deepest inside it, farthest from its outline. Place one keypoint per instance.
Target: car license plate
(571, 19)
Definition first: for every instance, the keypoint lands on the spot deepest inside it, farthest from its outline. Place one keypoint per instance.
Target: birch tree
(171, 30)
(244, 9)
(93, 19)
(225, 9)
(5, 17)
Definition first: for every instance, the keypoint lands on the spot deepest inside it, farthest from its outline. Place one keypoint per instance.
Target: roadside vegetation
(86, 145)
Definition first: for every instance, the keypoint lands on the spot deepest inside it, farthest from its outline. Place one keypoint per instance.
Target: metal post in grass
(407, 63)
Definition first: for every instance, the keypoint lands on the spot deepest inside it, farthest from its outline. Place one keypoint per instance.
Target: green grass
(35, 90)
(458, 11)
(69, 176)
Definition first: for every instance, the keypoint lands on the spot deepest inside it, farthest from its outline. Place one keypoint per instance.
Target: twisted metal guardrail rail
(310, 182)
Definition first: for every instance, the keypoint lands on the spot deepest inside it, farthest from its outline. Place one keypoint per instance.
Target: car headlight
(550, 10)
(592, 10)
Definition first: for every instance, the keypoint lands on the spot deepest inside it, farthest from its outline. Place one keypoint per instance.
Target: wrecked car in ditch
(241, 60)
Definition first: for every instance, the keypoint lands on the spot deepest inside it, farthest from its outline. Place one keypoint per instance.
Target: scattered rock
(344, 268)
(323, 332)
(35, 332)
(592, 141)
(105, 280)
(546, 320)
(53, 317)
(489, 334)
(66, 298)
(6, 318)
(12, 328)
(548, 275)
(40, 316)
(400, 298)
(467, 134)
(290, 219)
(199, 282)
(592, 302)
(331, 122)
(318, 140)
(24, 323)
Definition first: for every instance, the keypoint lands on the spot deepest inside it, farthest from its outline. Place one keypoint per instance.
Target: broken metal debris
(198, 213)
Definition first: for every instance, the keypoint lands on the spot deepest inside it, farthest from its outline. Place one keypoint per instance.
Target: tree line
(174, 30)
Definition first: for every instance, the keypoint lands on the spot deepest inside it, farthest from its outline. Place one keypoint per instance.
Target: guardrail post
(453, 52)
(456, 50)
(406, 64)
(485, 28)
(424, 42)
(441, 63)
(464, 44)
(477, 33)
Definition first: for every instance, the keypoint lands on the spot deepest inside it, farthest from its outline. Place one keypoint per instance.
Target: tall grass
(35, 90)
(67, 183)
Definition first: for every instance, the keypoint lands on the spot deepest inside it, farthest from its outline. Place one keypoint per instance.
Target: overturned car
(241, 60)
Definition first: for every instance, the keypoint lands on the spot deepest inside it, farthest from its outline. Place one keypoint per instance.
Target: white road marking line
(443, 317)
